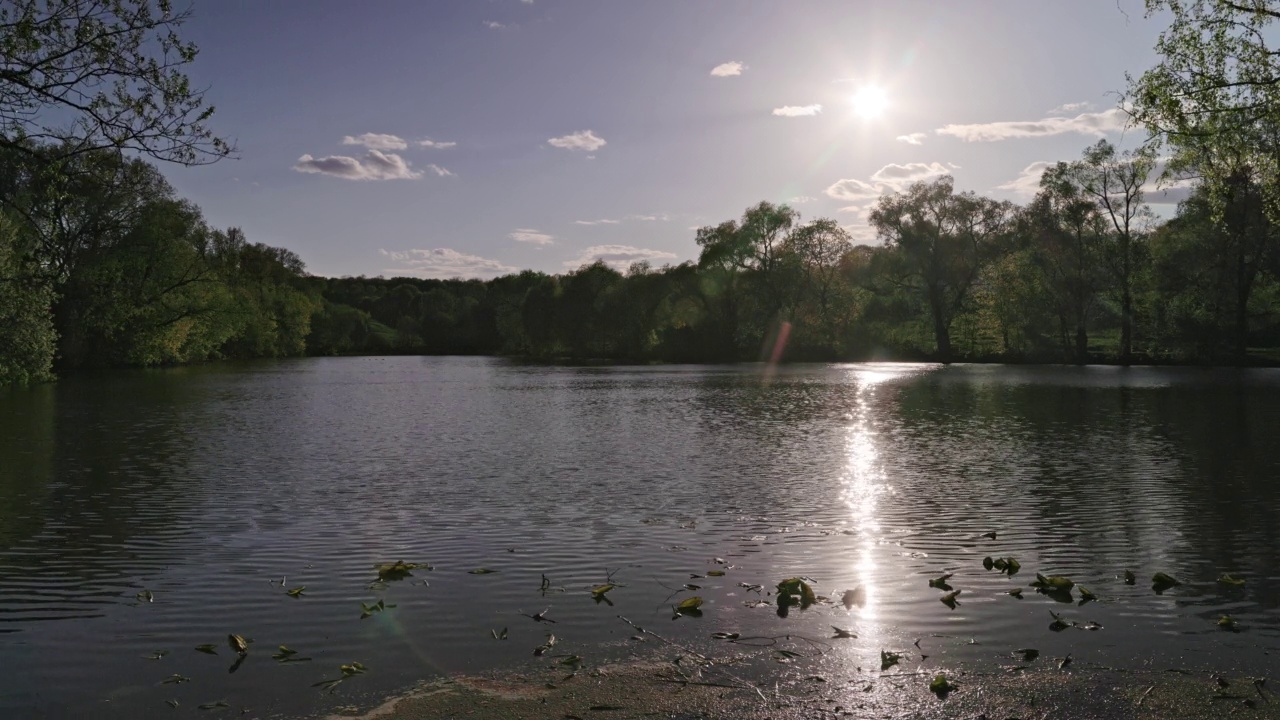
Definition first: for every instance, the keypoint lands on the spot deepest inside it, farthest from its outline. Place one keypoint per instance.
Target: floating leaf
(296, 592)
(1016, 592)
(1058, 623)
(351, 670)
(751, 587)
(214, 705)
(688, 586)
(941, 686)
(720, 561)
(208, 648)
(791, 587)
(715, 573)
(481, 571)
(856, 596)
(725, 636)
(691, 603)
(842, 633)
(1053, 582)
(1163, 581)
(398, 570)
(1086, 595)
(156, 655)
(238, 643)
(1228, 580)
(145, 596)
(888, 659)
(544, 647)
(941, 582)
(950, 599)
(1226, 622)
(600, 590)
(990, 535)
(1028, 654)
(1129, 577)
(176, 679)
(988, 563)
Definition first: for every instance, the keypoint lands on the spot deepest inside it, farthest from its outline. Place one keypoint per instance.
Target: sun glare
(870, 102)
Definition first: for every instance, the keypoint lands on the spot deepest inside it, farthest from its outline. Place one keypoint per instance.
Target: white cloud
(435, 144)
(853, 190)
(890, 178)
(443, 263)
(493, 25)
(898, 176)
(439, 171)
(619, 257)
(913, 138)
(581, 140)
(728, 69)
(800, 200)
(531, 236)
(377, 141)
(797, 110)
(596, 222)
(375, 165)
(649, 218)
(1068, 108)
(1097, 124)
(1027, 183)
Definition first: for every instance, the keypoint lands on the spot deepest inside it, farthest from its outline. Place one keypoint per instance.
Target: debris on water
(794, 591)
(941, 582)
(499, 635)
(888, 659)
(208, 649)
(1227, 579)
(989, 536)
(176, 679)
(482, 571)
(398, 570)
(940, 686)
(156, 655)
(1161, 582)
(1065, 661)
(367, 609)
(1016, 592)
(950, 599)
(238, 643)
(726, 635)
(540, 616)
(544, 647)
(1226, 622)
(145, 596)
(856, 596)
(842, 633)
(1129, 577)
(1085, 595)
(296, 592)
(1028, 654)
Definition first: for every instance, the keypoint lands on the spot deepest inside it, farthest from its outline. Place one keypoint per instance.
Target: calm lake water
(208, 486)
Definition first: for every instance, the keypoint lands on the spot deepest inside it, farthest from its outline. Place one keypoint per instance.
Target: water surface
(209, 486)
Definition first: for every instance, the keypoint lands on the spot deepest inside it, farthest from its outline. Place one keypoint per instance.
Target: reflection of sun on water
(864, 483)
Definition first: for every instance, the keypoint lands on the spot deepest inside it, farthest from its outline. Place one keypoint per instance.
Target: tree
(940, 241)
(78, 76)
(1115, 182)
(27, 337)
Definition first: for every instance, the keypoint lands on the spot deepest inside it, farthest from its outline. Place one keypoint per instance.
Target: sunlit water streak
(208, 486)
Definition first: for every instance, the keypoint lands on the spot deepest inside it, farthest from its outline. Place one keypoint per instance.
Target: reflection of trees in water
(102, 478)
(1172, 464)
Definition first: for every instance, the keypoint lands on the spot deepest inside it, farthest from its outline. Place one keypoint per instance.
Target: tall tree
(940, 240)
(1115, 182)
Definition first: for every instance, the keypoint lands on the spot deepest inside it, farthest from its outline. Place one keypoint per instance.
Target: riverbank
(676, 690)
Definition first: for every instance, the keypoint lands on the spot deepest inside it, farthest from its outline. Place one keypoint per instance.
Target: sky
(473, 138)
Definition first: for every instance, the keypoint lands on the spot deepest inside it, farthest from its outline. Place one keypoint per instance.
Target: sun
(870, 102)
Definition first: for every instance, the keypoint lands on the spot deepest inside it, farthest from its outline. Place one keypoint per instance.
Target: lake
(143, 514)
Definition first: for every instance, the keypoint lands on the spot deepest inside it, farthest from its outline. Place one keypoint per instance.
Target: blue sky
(475, 137)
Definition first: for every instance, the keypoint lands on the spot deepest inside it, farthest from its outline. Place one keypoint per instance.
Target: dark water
(208, 486)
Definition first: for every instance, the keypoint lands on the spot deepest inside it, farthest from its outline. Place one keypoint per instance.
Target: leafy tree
(79, 76)
(27, 337)
(940, 241)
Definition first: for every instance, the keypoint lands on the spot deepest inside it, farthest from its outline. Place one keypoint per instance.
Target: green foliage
(27, 337)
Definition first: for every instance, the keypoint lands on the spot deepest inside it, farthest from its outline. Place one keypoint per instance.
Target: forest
(103, 265)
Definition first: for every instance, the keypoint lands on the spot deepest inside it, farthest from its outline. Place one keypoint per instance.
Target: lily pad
(794, 587)
(950, 599)
(941, 582)
(690, 603)
(940, 686)
(1053, 582)
(208, 649)
(398, 570)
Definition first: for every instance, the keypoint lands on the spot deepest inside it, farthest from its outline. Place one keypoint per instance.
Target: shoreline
(653, 688)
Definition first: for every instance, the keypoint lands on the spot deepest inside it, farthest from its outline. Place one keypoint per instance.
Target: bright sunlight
(870, 102)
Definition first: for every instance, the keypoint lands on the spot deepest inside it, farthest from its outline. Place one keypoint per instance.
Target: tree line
(101, 264)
